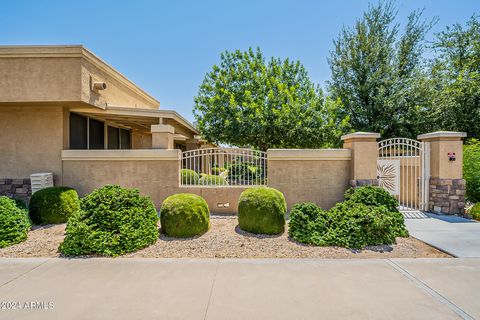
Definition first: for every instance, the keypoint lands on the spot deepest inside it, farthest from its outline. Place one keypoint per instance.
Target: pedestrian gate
(403, 170)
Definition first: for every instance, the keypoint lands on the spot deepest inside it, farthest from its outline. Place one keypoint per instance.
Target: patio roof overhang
(141, 119)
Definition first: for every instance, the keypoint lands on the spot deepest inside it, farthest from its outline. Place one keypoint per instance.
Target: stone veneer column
(162, 136)
(447, 186)
(16, 188)
(363, 168)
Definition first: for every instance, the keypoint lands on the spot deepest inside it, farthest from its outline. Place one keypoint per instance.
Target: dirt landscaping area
(226, 240)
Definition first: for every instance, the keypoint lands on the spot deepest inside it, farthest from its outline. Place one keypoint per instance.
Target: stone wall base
(16, 188)
(363, 182)
(447, 196)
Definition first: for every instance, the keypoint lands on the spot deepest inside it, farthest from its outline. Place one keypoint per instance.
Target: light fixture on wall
(99, 86)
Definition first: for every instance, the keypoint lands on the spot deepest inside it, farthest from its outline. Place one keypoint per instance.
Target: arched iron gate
(403, 170)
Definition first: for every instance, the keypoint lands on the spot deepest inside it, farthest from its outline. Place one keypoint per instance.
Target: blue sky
(166, 47)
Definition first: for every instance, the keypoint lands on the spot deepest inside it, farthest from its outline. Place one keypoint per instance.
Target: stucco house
(55, 100)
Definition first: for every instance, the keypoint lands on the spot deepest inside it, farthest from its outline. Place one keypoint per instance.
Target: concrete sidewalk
(241, 289)
(458, 236)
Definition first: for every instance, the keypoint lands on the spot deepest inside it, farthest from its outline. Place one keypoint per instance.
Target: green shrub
(307, 221)
(471, 169)
(475, 211)
(189, 176)
(345, 225)
(53, 205)
(375, 196)
(184, 215)
(14, 222)
(111, 221)
(262, 211)
(216, 170)
(212, 180)
(368, 216)
(359, 226)
(371, 196)
(243, 171)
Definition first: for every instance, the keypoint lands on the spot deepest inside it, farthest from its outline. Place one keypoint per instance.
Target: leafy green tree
(247, 101)
(377, 73)
(456, 77)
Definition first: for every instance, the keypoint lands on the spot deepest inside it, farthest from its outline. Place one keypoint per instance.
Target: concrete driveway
(240, 289)
(457, 236)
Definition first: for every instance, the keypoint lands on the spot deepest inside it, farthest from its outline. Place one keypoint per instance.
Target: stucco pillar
(162, 136)
(363, 168)
(192, 144)
(447, 186)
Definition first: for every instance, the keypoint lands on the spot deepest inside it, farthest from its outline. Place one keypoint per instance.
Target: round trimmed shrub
(53, 205)
(262, 211)
(189, 176)
(14, 222)
(475, 211)
(184, 215)
(212, 180)
(111, 221)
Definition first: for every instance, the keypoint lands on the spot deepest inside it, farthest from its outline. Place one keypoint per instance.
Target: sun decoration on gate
(387, 172)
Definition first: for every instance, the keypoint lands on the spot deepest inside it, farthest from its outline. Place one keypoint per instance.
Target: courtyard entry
(403, 170)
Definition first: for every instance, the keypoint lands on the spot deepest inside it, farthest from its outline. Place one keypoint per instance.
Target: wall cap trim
(361, 135)
(115, 155)
(309, 154)
(442, 134)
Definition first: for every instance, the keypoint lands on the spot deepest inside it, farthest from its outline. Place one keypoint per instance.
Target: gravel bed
(226, 240)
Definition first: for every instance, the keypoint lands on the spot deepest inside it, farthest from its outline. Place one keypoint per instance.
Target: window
(113, 138)
(96, 134)
(78, 131)
(125, 137)
(87, 133)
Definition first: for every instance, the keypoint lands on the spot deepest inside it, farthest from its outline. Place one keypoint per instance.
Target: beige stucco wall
(440, 166)
(319, 176)
(40, 79)
(117, 93)
(63, 74)
(141, 140)
(31, 140)
(364, 158)
(155, 178)
(217, 197)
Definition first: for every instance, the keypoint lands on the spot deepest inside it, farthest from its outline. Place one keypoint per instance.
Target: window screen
(125, 136)
(113, 138)
(96, 134)
(78, 131)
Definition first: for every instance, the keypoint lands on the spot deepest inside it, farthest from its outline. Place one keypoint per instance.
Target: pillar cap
(162, 128)
(442, 134)
(361, 135)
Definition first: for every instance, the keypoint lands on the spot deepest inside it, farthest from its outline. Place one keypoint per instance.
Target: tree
(246, 101)
(456, 77)
(377, 74)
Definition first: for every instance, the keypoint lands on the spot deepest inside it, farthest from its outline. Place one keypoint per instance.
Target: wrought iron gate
(403, 170)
